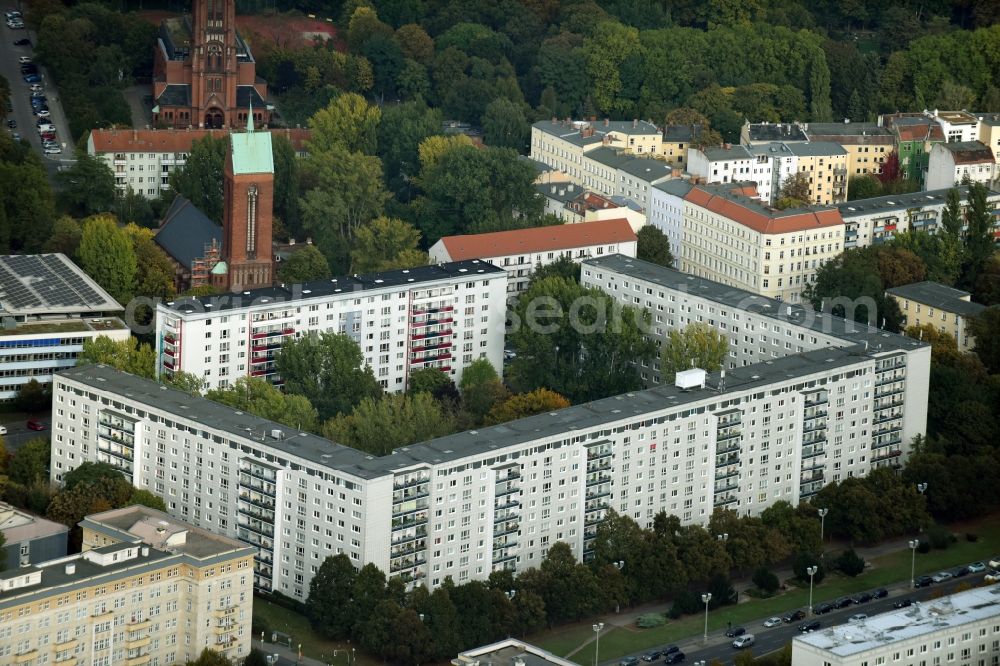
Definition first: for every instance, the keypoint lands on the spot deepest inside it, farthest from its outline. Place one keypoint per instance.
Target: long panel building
(822, 407)
(444, 316)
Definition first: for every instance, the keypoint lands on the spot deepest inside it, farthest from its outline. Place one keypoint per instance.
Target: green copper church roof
(252, 151)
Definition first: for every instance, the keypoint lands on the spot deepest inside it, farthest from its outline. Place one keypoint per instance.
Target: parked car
(42, 113)
(902, 603)
(993, 576)
(942, 576)
(977, 567)
(670, 649)
(923, 581)
(961, 571)
(652, 655)
(629, 661)
(36, 88)
(35, 424)
(823, 608)
(812, 625)
(735, 631)
(744, 641)
(995, 562)
(859, 616)
(31, 78)
(843, 602)
(3, 430)
(24, 41)
(793, 616)
(55, 150)
(772, 622)
(24, 60)
(12, 124)
(861, 598)
(880, 593)
(674, 657)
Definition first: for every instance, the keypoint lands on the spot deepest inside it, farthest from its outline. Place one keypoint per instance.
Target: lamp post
(597, 641)
(913, 562)
(812, 572)
(722, 537)
(822, 525)
(706, 598)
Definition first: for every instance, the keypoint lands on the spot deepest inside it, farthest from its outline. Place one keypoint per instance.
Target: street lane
(18, 433)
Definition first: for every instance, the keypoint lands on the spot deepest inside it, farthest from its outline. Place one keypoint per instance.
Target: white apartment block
(142, 160)
(147, 590)
(951, 163)
(727, 163)
(48, 307)
(957, 126)
(520, 251)
(498, 497)
(666, 211)
(443, 316)
(729, 236)
(962, 628)
(878, 220)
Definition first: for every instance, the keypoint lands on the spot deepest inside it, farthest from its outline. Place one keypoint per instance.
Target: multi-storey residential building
(825, 163)
(942, 307)
(957, 126)
(878, 220)
(561, 144)
(916, 134)
(989, 132)
(867, 144)
(520, 251)
(952, 162)
(723, 164)
(666, 211)
(146, 590)
(443, 316)
(962, 628)
(757, 134)
(773, 163)
(29, 539)
(142, 160)
(731, 237)
(636, 179)
(677, 140)
(48, 307)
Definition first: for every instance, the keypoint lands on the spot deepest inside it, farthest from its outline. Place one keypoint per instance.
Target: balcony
(729, 448)
(255, 513)
(408, 563)
(431, 310)
(401, 496)
(418, 533)
(261, 502)
(402, 484)
(886, 455)
(430, 359)
(432, 334)
(505, 488)
(509, 504)
(597, 494)
(812, 452)
(597, 454)
(726, 487)
(137, 643)
(25, 657)
(271, 334)
(400, 512)
(729, 460)
(260, 473)
(725, 500)
(431, 322)
(406, 523)
(258, 527)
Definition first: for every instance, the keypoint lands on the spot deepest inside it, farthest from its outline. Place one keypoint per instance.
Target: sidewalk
(290, 656)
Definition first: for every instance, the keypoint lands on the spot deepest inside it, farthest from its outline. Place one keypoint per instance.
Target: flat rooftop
(939, 296)
(40, 284)
(17, 525)
(79, 325)
(921, 619)
(904, 202)
(405, 277)
(509, 652)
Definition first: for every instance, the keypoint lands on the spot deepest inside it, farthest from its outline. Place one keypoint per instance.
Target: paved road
(20, 98)
(18, 433)
(770, 639)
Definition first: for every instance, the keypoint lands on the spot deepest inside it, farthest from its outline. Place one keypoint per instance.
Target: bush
(651, 620)
(923, 547)
(765, 580)
(939, 537)
(258, 625)
(686, 603)
(802, 562)
(971, 538)
(850, 563)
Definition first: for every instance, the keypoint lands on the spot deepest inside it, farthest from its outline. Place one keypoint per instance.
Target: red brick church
(204, 75)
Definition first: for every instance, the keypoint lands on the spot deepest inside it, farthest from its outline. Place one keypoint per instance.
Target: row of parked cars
(14, 19)
(39, 103)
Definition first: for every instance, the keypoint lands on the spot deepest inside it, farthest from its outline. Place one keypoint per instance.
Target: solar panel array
(32, 281)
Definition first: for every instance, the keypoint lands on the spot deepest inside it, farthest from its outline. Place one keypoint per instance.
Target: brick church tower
(248, 195)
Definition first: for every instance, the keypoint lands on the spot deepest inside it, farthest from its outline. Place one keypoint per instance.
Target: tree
(106, 254)
(526, 404)
(126, 355)
(898, 266)
(951, 216)
(435, 382)
(403, 128)
(795, 191)
(850, 563)
(576, 341)
(305, 265)
(31, 462)
(697, 345)
(379, 425)
(154, 275)
(654, 246)
(979, 240)
(146, 498)
(865, 186)
(286, 183)
(801, 565)
(33, 396)
(386, 243)
(987, 286)
(328, 370)
(348, 122)
(943, 345)
(985, 328)
(200, 181)
(563, 267)
(765, 580)
(481, 388)
(329, 604)
(209, 657)
(65, 238)
(852, 281)
(504, 124)
(258, 396)
(255, 658)
(433, 148)
(88, 186)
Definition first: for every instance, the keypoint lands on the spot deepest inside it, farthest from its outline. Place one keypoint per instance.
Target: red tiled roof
(538, 239)
(171, 140)
(760, 219)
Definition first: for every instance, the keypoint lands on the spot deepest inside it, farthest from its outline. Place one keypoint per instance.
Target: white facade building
(561, 144)
(666, 211)
(963, 628)
(957, 126)
(444, 317)
(722, 164)
(48, 307)
(520, 251)
(950, 163)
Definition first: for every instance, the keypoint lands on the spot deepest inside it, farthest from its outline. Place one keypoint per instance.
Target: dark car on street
(843, 602)
(793, 616)
(22, 42)
(35, 424)
(629, 661)
(735, 631)
(810, 626)
(923, 581)
(822, 609)
(861, 598)
(674, 658)
(902, 603)
(880, 593)
(652, 655)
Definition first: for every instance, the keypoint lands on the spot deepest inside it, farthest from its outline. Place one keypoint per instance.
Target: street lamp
(822, 524)
(706, 598)
(597, 640)
(812, 572)
(722, 537)
(921, 487)
(913, 561)
(620, 564)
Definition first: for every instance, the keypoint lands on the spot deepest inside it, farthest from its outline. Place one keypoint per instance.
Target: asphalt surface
(18, 433)
(775, 638)
(10, 68)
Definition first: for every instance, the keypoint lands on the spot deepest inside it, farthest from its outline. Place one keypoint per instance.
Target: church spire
(250, 116)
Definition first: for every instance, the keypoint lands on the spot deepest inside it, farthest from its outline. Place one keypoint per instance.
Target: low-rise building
(521, 251)
(512, 652)
(142, 160)
(147, 589)
(952, 163)
(677, 141)
(957, 126)
(961, 628)
(729, 236)
(727, 163)
(942, 307)
(48, 308)
(29, 539)
(867, 145)
(443, 316)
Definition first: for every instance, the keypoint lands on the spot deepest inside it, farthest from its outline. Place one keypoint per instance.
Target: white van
(46, 127)
(744, 641)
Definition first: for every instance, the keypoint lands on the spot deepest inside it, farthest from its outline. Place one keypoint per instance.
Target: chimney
(593, 119)
(145, 551)
(554, 120)
(727, 146)
(635, 123)
(847, 121)
(291, 241)
(607, 122)
(553, 189)
(70, 568)
(675, 173)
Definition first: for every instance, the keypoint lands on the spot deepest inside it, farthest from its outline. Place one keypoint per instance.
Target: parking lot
(12, 58)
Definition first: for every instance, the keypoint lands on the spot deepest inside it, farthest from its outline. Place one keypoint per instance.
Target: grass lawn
(313, 645)
(885, 570)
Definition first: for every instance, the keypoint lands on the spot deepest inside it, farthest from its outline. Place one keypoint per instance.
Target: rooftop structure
(738, 202)
(38, 284)
(758, 133)
(29, 539)
(510, 652)
(939, 296)
(969, 152)
(943, 308)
